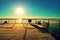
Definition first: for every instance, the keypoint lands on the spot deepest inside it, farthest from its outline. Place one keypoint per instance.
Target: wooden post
(29, 20)
(22, 21)
(43, 20)
(1, 20)
(40, 20)
(8, 21)
(48, 25)
(59, 24)
(15, 21)
(36, 21)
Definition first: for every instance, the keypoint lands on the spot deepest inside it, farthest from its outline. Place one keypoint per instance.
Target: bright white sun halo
(19, 11)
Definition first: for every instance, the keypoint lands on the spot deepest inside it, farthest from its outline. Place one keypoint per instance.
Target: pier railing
(51, 24)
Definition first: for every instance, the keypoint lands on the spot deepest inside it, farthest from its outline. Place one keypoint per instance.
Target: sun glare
(20, 20)
(19, 11)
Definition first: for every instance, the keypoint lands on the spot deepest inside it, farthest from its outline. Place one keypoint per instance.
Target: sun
(19, 10)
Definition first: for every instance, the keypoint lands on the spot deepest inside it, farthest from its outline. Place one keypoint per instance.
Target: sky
(33, 8)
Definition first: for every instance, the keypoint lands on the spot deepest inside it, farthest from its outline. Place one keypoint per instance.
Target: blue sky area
(41, 8)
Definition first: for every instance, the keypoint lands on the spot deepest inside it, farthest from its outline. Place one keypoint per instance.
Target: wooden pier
(23, 32)
(28, 29)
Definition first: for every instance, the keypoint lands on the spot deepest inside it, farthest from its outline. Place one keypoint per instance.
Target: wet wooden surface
(22, 32)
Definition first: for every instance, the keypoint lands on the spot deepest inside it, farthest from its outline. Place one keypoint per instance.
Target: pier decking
(23, 32)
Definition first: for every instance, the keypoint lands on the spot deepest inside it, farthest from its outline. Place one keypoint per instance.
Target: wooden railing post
(48, 25)
(15, 21)
(59, 24)
(8, 21)
(1, 20)
(22, 21)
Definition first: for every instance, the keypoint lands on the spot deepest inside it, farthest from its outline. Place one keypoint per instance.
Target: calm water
(54, 26)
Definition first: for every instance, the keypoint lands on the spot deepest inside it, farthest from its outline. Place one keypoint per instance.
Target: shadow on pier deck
(45, 30)
(23, 32)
